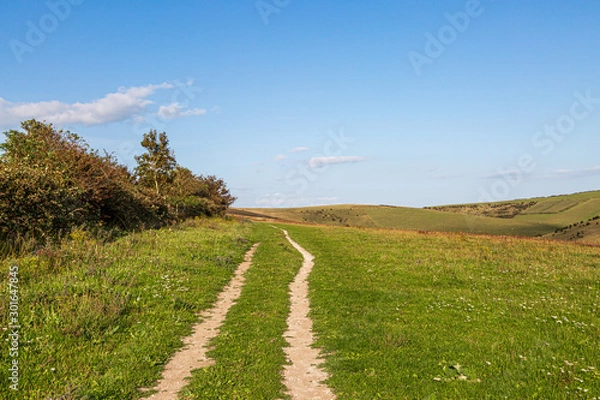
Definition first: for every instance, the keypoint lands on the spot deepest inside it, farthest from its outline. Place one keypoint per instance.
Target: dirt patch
(303, 376)
(193, 354)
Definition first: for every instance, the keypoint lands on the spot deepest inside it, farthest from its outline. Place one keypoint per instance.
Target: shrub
(35, 203)
(50, 182)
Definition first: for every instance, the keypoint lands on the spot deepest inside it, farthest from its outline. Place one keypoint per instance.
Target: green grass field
(99, 321)
(400, 314)
(249, 351)
(404, 315)
(528, 217)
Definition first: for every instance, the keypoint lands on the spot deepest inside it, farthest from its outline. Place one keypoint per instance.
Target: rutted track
(303, 376)
(193, 355)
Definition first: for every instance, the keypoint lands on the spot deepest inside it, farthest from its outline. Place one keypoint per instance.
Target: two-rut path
(302, 377)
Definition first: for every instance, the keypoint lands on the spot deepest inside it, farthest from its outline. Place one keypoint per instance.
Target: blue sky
(318, 102)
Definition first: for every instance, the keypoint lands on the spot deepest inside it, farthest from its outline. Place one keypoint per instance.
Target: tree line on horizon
(52, 182)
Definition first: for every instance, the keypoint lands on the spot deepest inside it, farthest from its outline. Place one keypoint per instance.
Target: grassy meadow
(529, 217)
(399, 314)
(451, 316)
(99, 321)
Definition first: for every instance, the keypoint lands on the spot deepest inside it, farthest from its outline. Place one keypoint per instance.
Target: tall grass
(99, 320)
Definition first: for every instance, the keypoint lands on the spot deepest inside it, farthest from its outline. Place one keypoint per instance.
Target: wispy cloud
(175, 110)
(556, 174)
(502, 174)
(299, 149)
(291, 200)
(275, 200)
(279, 157)
(577, 173)
(121, 105)
(447, 177)
(318, 162)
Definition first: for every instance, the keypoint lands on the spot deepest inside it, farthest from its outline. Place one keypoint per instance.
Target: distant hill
(566, 217)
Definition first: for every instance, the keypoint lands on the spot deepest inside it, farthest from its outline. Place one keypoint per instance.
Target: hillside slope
(562, 217)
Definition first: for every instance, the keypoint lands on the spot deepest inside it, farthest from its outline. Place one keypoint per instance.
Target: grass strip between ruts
(249, 349)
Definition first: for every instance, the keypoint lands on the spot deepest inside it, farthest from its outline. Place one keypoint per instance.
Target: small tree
(156, 167)
(215, 190)
(194, 195)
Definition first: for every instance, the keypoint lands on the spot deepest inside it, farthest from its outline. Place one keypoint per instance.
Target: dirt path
(193, 354)
(304, 376)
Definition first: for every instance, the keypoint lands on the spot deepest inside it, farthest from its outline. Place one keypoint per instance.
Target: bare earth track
(193, 355)
(303, 376)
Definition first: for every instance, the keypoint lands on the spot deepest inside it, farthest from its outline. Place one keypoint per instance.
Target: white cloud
(279, 157)
(175, 110)
(502, 174)
(577, 173)
(327, 200)
(556, 174)
(318, 162)
(138, 119)
(445, 177)
(274, 200)
(121, 105)
(299, 149)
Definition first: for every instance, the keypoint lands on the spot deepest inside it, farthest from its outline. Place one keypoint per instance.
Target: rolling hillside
(562, 217)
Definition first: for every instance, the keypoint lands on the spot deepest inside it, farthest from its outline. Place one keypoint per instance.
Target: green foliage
(195, 195)
(156, 166)
(188, 195)
(497, 210)
(35, 203)
(215, 190)
(52, 182)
